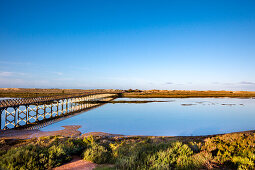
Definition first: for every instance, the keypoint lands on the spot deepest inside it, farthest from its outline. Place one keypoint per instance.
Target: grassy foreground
(230, 151)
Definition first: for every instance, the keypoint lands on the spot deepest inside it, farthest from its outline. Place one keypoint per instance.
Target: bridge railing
(19, 113)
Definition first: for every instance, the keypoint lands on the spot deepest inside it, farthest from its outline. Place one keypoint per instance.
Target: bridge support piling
(36, 114)
(62, 103)
(6, 119)
(66, 106)
(27, 114)
(51, 110)
(1, 118)
(57, 108)
(44, 111)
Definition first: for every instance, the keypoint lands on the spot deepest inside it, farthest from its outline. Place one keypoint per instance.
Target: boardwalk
(31, 112)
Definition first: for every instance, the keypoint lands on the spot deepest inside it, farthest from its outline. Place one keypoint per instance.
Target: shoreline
(72, 131)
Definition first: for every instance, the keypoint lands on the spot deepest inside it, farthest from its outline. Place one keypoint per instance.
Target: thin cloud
(10, 74)
(247, 83)
(172, 83)
(229, 84)
(15, 63)
(6, 74)
(58, 73)
(64, 79)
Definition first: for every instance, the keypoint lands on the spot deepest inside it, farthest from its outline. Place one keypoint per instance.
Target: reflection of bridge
(25, 112)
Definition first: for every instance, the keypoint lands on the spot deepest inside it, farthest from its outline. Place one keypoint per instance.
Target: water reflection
(190, 116)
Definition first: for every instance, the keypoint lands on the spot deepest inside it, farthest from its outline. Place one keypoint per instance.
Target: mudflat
(69, 131)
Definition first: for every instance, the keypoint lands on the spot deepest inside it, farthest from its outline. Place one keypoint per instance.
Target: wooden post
(62, 111)
(28, 115)
(80, 104)
(72, 104)
(66, 106)
(1, 111)
(51, 110)
(15, 120)
(18, 115)
(44, 109)
(5, 118)
(27, 112)
(36, 112)
(57, 108)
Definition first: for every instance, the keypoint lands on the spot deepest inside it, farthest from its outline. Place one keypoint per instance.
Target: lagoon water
(176, 117)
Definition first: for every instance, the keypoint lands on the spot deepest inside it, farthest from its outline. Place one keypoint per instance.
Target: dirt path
(77, 164)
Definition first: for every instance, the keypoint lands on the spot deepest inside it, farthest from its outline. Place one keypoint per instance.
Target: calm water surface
(190, 116)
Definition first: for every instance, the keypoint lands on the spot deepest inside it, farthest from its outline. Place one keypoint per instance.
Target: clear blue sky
(160, 44)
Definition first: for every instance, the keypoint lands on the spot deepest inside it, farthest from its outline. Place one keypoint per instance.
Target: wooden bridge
(28, 112)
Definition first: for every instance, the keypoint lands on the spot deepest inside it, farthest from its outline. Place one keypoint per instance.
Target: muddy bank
(72, 131)
(101, 134)
(69, 131)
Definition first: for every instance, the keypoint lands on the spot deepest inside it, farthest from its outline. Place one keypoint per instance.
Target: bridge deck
(27, 101)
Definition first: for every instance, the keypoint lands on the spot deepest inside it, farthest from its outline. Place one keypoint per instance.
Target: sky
(122, 44)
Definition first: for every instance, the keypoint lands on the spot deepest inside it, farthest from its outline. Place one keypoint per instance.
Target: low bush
(27, 157)
(58, 155)
(97, 154)
(47, 152)
(74, 146)
(232, 150)
(176, 155)
(146, 155)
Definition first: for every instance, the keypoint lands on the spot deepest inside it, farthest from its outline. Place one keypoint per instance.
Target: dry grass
(187, 94)
(35, 92)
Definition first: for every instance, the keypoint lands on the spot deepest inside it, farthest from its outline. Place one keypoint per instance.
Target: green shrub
(58, 155)
(74, 146)
(232, 150)
(176, 155)
(147, 155)
(2, 152)
(46, 153)
(202, 160)
(133, 155)
(28, 157)
(97, 154)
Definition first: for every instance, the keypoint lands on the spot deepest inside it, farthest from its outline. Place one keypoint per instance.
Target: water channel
(174, 117)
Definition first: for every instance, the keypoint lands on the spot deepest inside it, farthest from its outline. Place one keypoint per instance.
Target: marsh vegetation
(186, 94)
(23, 93)
(230, 151)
